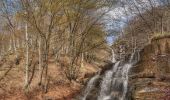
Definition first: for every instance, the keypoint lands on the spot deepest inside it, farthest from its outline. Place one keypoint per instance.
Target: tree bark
(27, 58)
(40, 61)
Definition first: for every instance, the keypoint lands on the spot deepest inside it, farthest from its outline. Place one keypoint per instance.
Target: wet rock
(87, 75)
(106, 67)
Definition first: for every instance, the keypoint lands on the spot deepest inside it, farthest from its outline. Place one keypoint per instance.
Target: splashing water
(90, 86)
(106, 83)
(125, 79)
(113, 56)
(111, 85)
(114, 84)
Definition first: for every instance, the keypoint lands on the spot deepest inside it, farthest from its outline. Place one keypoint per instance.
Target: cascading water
(90, 85)
(125, 78)
(113, 56)
(114, 84)
(119, 81)
(107, 83)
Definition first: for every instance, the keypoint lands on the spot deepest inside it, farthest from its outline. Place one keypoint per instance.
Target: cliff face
(150, 77)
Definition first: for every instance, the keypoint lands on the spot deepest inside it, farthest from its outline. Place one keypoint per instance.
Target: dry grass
(11, 87)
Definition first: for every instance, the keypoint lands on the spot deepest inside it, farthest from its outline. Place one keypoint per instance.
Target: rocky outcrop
(150, 77)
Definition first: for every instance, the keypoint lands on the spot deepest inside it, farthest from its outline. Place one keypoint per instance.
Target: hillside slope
(12, 74)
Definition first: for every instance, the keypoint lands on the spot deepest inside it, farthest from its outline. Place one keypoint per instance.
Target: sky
(121, 13)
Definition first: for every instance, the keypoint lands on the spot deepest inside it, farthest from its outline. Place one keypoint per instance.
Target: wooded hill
(140, 29)
(34, 32)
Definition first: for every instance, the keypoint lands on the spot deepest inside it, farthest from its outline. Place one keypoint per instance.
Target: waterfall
(126, 78)
(135, 57)
(90, 86)
(111, 84)
(114, 83)
(113, 56)
(106, 83)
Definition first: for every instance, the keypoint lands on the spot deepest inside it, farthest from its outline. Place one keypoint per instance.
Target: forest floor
(12, 81)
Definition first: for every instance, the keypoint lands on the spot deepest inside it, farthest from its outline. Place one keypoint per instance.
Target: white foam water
(90, 86)
(107, 82)
(114, 83)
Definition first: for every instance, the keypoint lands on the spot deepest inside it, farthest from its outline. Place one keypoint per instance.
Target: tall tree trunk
(10, 45)
(82, 60)
(14, 43)
(27, 58)
(18, 43)
(46, 79)
(40, 61)
(162, 30)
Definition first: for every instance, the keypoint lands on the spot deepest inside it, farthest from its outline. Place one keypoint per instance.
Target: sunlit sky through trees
(120, 15)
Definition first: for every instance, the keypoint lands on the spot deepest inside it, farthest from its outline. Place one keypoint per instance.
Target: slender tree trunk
(46, 79)
(45, 65)
(40, 61)
(14, 44)
(67, 49)
(1, 52)
(82, 60)
(27, 58)
(162, 30)
(10, 45)
(18, 44)
(23, 42)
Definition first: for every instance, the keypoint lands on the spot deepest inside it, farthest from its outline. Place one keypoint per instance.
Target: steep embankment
(150, 77)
